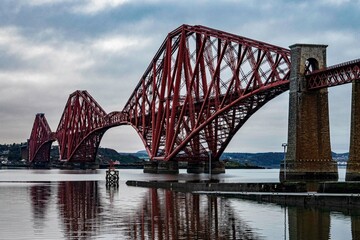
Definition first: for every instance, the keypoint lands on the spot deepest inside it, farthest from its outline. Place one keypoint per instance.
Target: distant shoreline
(121, 166)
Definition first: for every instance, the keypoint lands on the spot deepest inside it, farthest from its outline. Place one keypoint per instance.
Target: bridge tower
(309, 153)
(353, 166)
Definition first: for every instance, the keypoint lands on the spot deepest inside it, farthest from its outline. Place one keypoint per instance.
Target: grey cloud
(49, 49)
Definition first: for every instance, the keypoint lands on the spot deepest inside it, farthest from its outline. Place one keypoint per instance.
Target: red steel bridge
(199, 89)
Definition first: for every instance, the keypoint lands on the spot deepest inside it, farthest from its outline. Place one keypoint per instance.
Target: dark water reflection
(88, 210)
(172, 215)
(80, 208)
(163, 214)
(40, 198)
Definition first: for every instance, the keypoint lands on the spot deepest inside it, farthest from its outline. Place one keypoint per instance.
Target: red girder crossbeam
(195, 93)
(335, 75)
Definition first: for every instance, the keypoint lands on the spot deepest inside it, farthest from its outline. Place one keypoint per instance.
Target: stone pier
(165, 167)
(196, 167)
(217, 167)
(353, 166)
(309, 153)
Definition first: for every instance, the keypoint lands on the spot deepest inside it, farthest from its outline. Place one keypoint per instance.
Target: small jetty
(324, 194)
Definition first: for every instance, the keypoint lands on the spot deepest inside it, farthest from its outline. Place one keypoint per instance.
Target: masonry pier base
(79, 165)
(353, 171)
(164, 167)
(309, 170)
(217, 167)
(40, 165)
(196, 167)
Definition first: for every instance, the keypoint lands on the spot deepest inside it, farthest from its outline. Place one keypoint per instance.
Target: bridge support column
(168, 167)
(150, 167)
(195, 167)
(353, 165)
(164, 167)
(309, 152)
(217, 167)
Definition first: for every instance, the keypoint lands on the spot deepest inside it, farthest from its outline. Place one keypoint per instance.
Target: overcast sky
(50, 48)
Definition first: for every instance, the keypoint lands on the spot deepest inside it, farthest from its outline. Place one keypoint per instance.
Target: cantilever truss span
(201, 86)
(199, 89)
(40, 140)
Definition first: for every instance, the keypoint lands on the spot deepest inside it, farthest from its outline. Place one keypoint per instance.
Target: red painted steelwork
(41, 137)
(335, 75)
(200, 88)
(81, 128)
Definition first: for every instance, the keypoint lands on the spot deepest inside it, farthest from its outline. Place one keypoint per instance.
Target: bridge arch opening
(123, 139)
(340, 117)
(311, 64)
(265, 130)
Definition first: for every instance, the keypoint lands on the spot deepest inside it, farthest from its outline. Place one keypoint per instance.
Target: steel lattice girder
(335, 75)
(198, 76)
(40, 140)
(81, 127)
(199, 89)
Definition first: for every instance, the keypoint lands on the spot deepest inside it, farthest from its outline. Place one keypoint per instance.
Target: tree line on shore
(11, 153)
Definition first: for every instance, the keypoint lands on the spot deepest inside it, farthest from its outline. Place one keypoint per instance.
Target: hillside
(269, 159)
(11, 153)
(106, 154)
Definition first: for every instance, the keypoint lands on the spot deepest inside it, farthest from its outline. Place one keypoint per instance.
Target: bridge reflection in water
(171, 215)
(80, 208)
(86, 209)
(40, 198)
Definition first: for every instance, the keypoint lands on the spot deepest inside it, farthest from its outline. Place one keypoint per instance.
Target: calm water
(58, 204)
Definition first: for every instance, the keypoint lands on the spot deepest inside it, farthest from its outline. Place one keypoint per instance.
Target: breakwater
(328, 194)
(225, 187)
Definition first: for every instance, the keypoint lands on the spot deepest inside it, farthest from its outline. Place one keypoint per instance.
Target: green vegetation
(107, 154)
(11, 153)
(234, 164)
(267, 159)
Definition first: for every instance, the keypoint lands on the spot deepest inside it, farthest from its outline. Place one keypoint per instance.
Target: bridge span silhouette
(199, 89)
